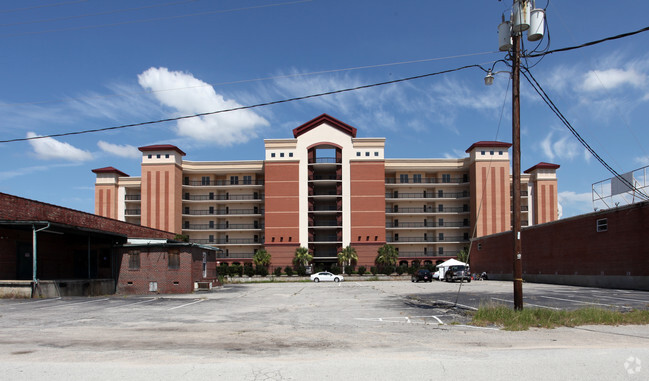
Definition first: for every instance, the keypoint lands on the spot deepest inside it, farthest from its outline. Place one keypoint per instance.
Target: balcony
(223, 197)
(214, 183)
(132, 212)
(325, 238)
(427, 224)
(323, 160)
(223, 226)
(222, 255)
(427, 180)
(429, 210)
(223, 212)
(427, 195)
(426, 239)
(132, 197)
(421, 254)
(223, 241)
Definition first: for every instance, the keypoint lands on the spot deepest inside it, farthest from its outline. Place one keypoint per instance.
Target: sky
(76, 65)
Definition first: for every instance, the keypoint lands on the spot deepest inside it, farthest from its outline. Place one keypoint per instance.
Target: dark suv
(423, 275)
(457, 272)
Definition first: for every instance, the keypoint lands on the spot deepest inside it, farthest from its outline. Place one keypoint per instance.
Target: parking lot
(365, 330)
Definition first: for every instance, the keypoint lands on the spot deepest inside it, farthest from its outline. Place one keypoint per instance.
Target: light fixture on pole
(489, 78)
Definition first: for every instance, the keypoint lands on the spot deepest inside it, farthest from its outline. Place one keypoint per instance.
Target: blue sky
(74, 65)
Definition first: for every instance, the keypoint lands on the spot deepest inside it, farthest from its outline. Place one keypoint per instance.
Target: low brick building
(159, 266)
(608, 248)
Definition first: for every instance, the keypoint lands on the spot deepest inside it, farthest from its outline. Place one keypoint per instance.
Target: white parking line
(458, 304)
(72, 304)
(578, 301)
(187, 304)
(630, 300)
(132, 304)
(528, 304)
(43, 300)
(402, 319)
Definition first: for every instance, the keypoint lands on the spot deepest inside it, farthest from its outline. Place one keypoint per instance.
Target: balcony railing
(223, 241)
(325, 238)
(223, 197)
(132, 197)
(325, 223)
(523, 193)
(325, 208)
(421, 254)
(132, 212)
(426, 180)
(427, 195)
(222, 226)
(428, 224)
(325, 177)
(323, 160)
(447, 209)
(221, 255)
(222, 212)
(426, 239)
(212, 182)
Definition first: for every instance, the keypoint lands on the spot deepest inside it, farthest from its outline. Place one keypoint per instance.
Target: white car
(325, 276)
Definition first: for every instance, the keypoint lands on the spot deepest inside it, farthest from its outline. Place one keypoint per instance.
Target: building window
(272, 154)
(441, 237)
(602, 225)
(403, 178)
(157, 156)
(440, 251)
(491, 153)
(150, 156)
(482, 153)
(376, 154)
(290, 154)
(416, 178)
(247, 180)
(234, 180)
(446, 178)
(134, 260)
(281, 154)
(358, 154)
(167, 156)
(205, 180)
(500, 153)
(174, 260)
(367, 154)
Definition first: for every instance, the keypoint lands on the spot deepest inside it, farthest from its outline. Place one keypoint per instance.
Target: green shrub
(411, 270)
(335, 269)
(361, 270)
(261, 270)
(235, 270)
(288, 270)
(278, 271)
(374, 270)
(387, 269)
(349, 270)
(401, 269)
(248, 269)
(300, 270)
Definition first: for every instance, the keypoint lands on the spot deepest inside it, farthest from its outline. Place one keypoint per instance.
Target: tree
(261, 258)
(347, 256)
(302, 256)
(181, 238)
(463, 255)
(387, 256)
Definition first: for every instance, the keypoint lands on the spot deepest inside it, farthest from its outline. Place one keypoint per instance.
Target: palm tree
(346, 256)
(261, 258)
(463, 255)
(388, 256)
(302, 256)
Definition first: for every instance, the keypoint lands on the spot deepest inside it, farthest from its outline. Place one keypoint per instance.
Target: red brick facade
(574, 251)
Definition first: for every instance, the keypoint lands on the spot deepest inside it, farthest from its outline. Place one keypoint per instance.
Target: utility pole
(516, 168)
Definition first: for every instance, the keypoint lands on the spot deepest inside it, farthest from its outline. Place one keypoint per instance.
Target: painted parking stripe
(187, 304)
(73, 304)
(457, 304)
(578, 301)
(401, 319)
(627, 299)
(132, 304)
(527, 304)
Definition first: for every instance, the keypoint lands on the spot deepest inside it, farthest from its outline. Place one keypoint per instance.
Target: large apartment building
(325, 189)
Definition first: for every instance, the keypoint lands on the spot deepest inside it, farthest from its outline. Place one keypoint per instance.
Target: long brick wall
(14, 208)
(573, 251)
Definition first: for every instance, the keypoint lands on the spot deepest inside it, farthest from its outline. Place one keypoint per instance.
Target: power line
(41, 6)
(537, 87)
(329, 71)
(242, 107)
(154, 19)
(115, 11)
(589, 43)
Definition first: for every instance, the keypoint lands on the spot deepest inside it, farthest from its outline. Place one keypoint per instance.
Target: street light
(509, 35)
(489, 78)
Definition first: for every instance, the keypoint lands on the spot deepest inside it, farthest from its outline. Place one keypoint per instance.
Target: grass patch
(512, 320)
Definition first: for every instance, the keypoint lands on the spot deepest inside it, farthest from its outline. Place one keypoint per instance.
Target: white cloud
(596, 80)
(642, 160)
(126, 150)
(562, 148)
(193, 96)
(572, 203)
(49, 148)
